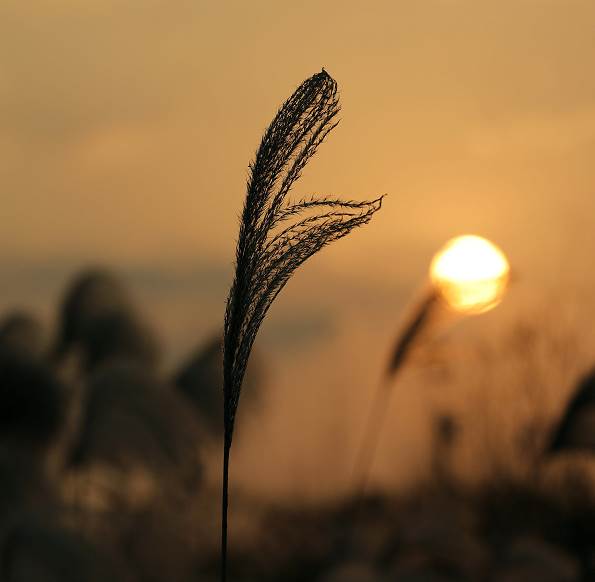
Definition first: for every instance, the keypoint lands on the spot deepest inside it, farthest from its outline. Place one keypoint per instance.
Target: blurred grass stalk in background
(469, 275)
(420, 318)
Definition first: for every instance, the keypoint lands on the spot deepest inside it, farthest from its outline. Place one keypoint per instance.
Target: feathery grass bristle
(278, 235)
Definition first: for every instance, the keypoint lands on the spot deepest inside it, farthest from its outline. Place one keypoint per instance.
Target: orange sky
(126, 127)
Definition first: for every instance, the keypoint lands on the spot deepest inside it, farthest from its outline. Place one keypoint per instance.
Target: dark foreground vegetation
(102, 477)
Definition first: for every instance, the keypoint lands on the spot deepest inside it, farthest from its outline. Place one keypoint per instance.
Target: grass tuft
(277, 235)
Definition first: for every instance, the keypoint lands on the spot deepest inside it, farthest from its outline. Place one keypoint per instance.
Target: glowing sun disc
(470, 273)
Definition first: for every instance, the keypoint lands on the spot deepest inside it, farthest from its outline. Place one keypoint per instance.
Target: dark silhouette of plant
(419, 320)
(92, 294)
(33, 401)
(576, 429)
(278, 235)
(22, 333)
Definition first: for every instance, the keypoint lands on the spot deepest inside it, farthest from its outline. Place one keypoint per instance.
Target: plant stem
(375, 422)
(366, 454)
(224, 502)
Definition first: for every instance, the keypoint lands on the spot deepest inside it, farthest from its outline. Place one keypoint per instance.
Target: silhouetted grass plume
(133, 421)
(99, 323)
(91, 294)
(32, 399)
(576, 429)
(22, 333)
(278, 235)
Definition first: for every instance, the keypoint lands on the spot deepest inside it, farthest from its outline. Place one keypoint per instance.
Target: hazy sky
(126, 127)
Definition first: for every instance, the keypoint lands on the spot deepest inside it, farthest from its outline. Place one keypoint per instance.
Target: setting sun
(470, 273)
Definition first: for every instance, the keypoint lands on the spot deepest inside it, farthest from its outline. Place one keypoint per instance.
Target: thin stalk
(224, 503)
(367, 450)
(377, 416)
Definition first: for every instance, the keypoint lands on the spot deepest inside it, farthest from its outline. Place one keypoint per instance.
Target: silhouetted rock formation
(200, 378)
(576, 430)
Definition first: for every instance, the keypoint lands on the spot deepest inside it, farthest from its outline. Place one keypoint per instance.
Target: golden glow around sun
(470, 273)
